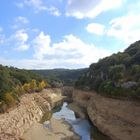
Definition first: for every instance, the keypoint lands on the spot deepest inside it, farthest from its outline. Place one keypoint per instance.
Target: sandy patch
(59, 130)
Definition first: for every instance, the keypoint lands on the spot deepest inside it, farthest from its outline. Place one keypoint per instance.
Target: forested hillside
(66, 76)
(15, 82)
(117, 75)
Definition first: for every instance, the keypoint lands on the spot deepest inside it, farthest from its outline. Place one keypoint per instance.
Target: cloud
(18, 40)
(19, 22)
(21, 35)
(126, 28)
(96, 28)
(71, 52)
(54, 11)
(21, 38)
(36, 4)
(1, 29)
(39, 64)
(90, 9)
(22, 20)
(2, 39)
(41, 45)
(39, 5)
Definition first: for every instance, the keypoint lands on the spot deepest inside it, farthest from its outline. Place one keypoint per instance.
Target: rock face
(30, 110)
(129, 84)
(7, 136)
(118, 119)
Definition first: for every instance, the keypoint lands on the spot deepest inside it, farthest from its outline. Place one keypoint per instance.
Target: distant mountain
(66, 76)
(117, 75)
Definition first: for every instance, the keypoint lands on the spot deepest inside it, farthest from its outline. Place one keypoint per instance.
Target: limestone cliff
(30, 110)
(118, 119)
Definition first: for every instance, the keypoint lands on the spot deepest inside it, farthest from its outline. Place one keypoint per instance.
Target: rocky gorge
(118, 119)
(30, 110)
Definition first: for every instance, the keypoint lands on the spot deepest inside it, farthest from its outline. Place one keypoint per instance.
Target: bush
(9, 99)
(42, 85)
(26, 87)
(3, 107)
(33, 86)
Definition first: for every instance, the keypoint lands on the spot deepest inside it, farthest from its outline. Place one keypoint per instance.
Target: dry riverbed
(59, 130)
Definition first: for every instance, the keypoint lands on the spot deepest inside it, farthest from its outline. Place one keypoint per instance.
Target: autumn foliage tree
(14, 82)
(9, 99)
(33, 86)
(42, 85)
(26, 87)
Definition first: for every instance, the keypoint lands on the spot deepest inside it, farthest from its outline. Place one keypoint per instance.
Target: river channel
(80, 126)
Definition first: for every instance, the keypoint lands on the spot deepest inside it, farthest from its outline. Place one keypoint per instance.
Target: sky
(46, 34)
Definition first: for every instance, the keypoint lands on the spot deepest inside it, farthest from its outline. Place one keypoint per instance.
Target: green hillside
(117, 75)
(66, 76)
(14, 82)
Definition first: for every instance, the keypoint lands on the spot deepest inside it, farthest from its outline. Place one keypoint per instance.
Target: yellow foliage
(33, 85)
(19, 90)
(26, 87)
(9, 99)
(42, 85)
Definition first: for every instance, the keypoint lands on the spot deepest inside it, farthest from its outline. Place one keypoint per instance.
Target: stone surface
(119, 119)
(30, 110)
(79, 111)
(58, 130)
(129, 84)
(6, 136)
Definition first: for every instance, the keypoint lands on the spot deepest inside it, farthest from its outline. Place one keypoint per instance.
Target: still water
(80, 126)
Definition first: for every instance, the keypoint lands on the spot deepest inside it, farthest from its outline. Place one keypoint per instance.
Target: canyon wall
(119, 119)
(30, 109)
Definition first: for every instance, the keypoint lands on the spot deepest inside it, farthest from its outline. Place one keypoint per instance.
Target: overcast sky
(44, 34)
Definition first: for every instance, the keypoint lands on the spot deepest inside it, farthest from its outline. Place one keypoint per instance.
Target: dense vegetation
(66, 76)
(116, 76)
(15, 82)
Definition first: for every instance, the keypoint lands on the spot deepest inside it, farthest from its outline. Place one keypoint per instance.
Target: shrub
(33, 86)
(9, 99)
(26, 87)
(3, 107)
(42, 85)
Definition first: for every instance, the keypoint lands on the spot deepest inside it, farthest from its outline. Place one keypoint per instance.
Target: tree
(26, 87)
(19, 90)
(116, 72)
(9, 99)
(42, 85)
(33, 85)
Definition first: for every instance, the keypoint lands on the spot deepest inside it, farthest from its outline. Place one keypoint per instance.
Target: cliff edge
(30, 110)
(119, 119)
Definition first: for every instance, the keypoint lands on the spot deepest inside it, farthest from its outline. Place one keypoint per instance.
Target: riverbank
(59, 130)
(119, 119)
(29, 111)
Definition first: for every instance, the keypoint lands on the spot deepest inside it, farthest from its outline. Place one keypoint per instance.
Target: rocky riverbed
(14, 123)
(119, 119)
(59, 130)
